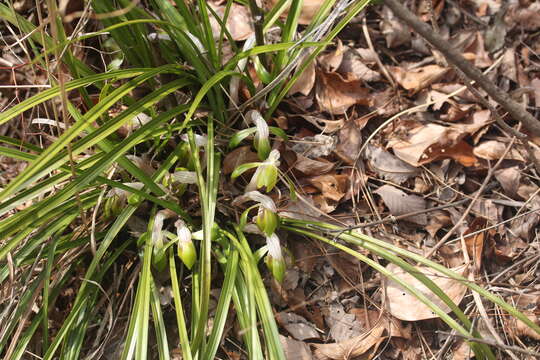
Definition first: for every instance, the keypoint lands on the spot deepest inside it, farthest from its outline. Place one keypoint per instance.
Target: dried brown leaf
(419, 78)
(395, 33)
(237, 157)
(335, 94)
(310, 8)
(353, 67)
(350, 142)
(431, 142)
(297, 326)
(350, 348)
(399, 203)
(529, 305)
(305, 82)
(407, 307)
(331, 186)
(331, 61)
(388, 166)
(239, 22)
(312, 167)
(494, 150)
(295, 350)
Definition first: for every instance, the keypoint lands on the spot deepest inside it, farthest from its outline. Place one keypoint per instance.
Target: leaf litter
(418, 161)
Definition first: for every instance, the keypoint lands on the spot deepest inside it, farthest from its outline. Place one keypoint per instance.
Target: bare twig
(515, 110)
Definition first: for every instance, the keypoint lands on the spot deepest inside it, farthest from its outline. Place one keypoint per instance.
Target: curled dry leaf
(295, 350)
(301, 209)
(510, 180)
(335, 94)
(350, 142)
(326, 126)
(393, 326)
(297, 326)
(238, 157)
(239, 22)
(494, 150)
(310, 8)
(305, 82)
(529, 304)
(475, 243)
(343, 326)
(388, 166)
(353, 67)
(395, 32)
(331, 186)
(315, 146)
(419, 78)
(312, 167)
(407, 307)
(431, 142)
(331, 61)
(351, 348)
(399, 203)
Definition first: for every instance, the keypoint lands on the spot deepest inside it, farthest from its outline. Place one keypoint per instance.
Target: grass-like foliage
(84, 212)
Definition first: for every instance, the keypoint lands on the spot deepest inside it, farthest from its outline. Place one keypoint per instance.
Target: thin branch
(453, 56)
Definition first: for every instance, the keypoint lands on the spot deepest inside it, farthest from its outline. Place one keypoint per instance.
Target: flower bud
(267, 221)
(186, 249)
(275, 260)
(262, 140)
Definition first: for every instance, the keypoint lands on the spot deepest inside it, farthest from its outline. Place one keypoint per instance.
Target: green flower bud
(186, 249)
(267, 221)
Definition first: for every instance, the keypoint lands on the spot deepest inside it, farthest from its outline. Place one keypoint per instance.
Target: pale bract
(264, 200)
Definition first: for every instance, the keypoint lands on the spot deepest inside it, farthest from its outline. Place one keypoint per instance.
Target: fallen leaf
(524, 17)
(475, 243)
(462, 351)
(407, 307)
(388, 166)
(353, 67)
(300, 210)
(437, 220)
(331, 61)
(305, 82)
(535, 83)
(395, 33)
(310, 8)
(510, 179)
(237, 157)
(343, 326)
(295, 350)
(326, 126)
(528, 304)
(331, 186)
(431, 142)
(477, 48)
(297, 326)
(350, 142)
(335, 94)
(494, 150)
(315, 146)
(393, 326)
(312, 167)
(239, 22)
(419, 78)
(399, 203)
(350, 348)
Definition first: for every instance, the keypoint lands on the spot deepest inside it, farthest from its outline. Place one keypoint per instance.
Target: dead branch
(513, 108)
